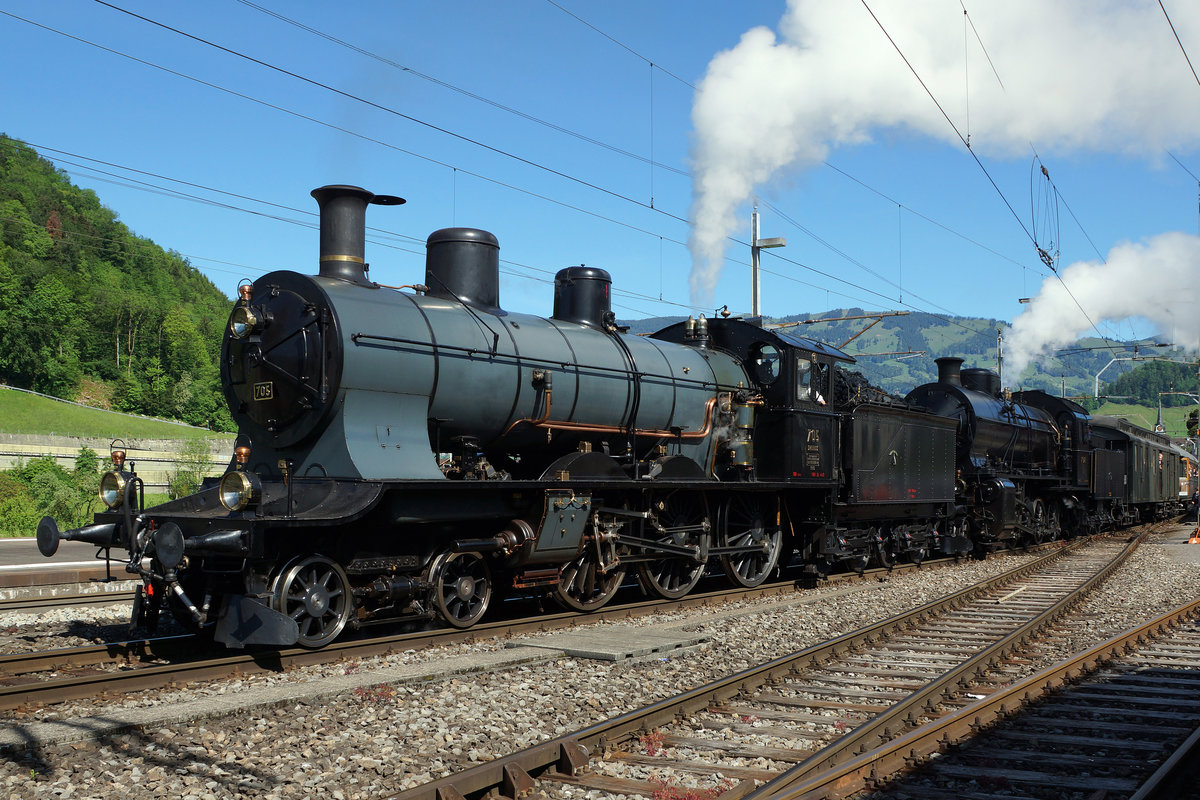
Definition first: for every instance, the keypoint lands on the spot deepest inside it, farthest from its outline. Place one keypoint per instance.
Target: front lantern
(239, 490)
(242, 322)
(112, 488)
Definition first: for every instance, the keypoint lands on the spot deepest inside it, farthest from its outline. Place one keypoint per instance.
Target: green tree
(192, 465)
(183, 350)
(41, 487)
(82, 296)
(1146, 382)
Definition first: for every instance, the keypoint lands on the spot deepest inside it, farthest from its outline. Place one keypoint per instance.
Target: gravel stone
(379, 739)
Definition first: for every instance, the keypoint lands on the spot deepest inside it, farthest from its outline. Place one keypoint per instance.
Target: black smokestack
(344, 230)
(948, 370)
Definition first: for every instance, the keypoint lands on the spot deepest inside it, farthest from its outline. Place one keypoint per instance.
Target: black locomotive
(405, 455)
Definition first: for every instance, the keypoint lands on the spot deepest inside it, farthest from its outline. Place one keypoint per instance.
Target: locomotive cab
(795, 431)
(797, 411)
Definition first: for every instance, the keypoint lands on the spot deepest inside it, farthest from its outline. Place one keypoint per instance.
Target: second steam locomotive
(407, 455)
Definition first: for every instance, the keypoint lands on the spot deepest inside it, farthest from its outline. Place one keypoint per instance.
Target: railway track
(1119, 720)
(29, 680)
(33, 605)
(804, 712)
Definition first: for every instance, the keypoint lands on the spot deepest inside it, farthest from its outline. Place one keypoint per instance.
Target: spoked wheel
(674, 576)
(748, 522)
(314, 591)
(582, 586)
(1041, 522)
(462, 587)
(1054, 520)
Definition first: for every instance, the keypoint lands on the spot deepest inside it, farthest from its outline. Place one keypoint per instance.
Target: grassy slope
(1174, 419)
(26, 413)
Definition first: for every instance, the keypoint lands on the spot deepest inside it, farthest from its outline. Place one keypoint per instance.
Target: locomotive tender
(405, 455)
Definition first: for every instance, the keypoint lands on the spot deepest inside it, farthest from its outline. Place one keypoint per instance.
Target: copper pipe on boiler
(583, 427)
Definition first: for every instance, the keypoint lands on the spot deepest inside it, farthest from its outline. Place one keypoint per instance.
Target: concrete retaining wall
(154, 459)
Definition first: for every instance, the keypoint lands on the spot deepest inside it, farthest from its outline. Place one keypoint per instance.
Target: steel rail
(71, 687)
(1175, 774)
(164, 648)
(33, 604)
(876, 765)
(515, 774)
(885, 727)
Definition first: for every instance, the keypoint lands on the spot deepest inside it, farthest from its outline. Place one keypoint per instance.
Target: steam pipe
(583, 427)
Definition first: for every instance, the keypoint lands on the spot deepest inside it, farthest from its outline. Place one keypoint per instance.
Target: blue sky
(906, 221)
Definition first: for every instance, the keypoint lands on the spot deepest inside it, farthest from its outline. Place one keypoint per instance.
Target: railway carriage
(1153, 473)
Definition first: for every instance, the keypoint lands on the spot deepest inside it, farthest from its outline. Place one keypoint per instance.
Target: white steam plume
(1079, 75)
(1156, 280)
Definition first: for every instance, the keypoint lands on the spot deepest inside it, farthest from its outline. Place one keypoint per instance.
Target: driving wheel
(462, 587)
(747, 522)
(314, 591)
(682, 521)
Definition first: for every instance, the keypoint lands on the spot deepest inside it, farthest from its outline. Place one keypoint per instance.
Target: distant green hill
(82, 298)
(898, 353)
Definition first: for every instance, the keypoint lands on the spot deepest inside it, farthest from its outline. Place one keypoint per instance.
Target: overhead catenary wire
(356, 134)
(313, 224)
(311, 221)
(622, 45)
(460, 90)
(1179, 42)
(1057, 195)
(650, 63)
(653, 65)
(389, 110)
(967, 145)
(1047, 259)
(378, 141)
(851, 259)
(839, 252)
(582, 210)
(1183, 167)
(927, 218)
(946, 116)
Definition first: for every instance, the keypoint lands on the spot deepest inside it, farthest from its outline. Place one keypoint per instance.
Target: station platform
(21, 565)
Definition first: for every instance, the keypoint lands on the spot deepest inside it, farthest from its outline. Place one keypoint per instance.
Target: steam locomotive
(407, 453)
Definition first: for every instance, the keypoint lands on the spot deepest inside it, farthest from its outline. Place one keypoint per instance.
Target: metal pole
(755, 286)
(1096, 394)
(1000, 355)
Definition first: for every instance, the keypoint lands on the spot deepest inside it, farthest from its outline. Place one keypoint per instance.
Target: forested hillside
(87, 306)
(1158, 381)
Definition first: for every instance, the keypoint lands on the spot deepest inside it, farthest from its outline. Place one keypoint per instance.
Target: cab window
(765, 362)
(812, 381)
